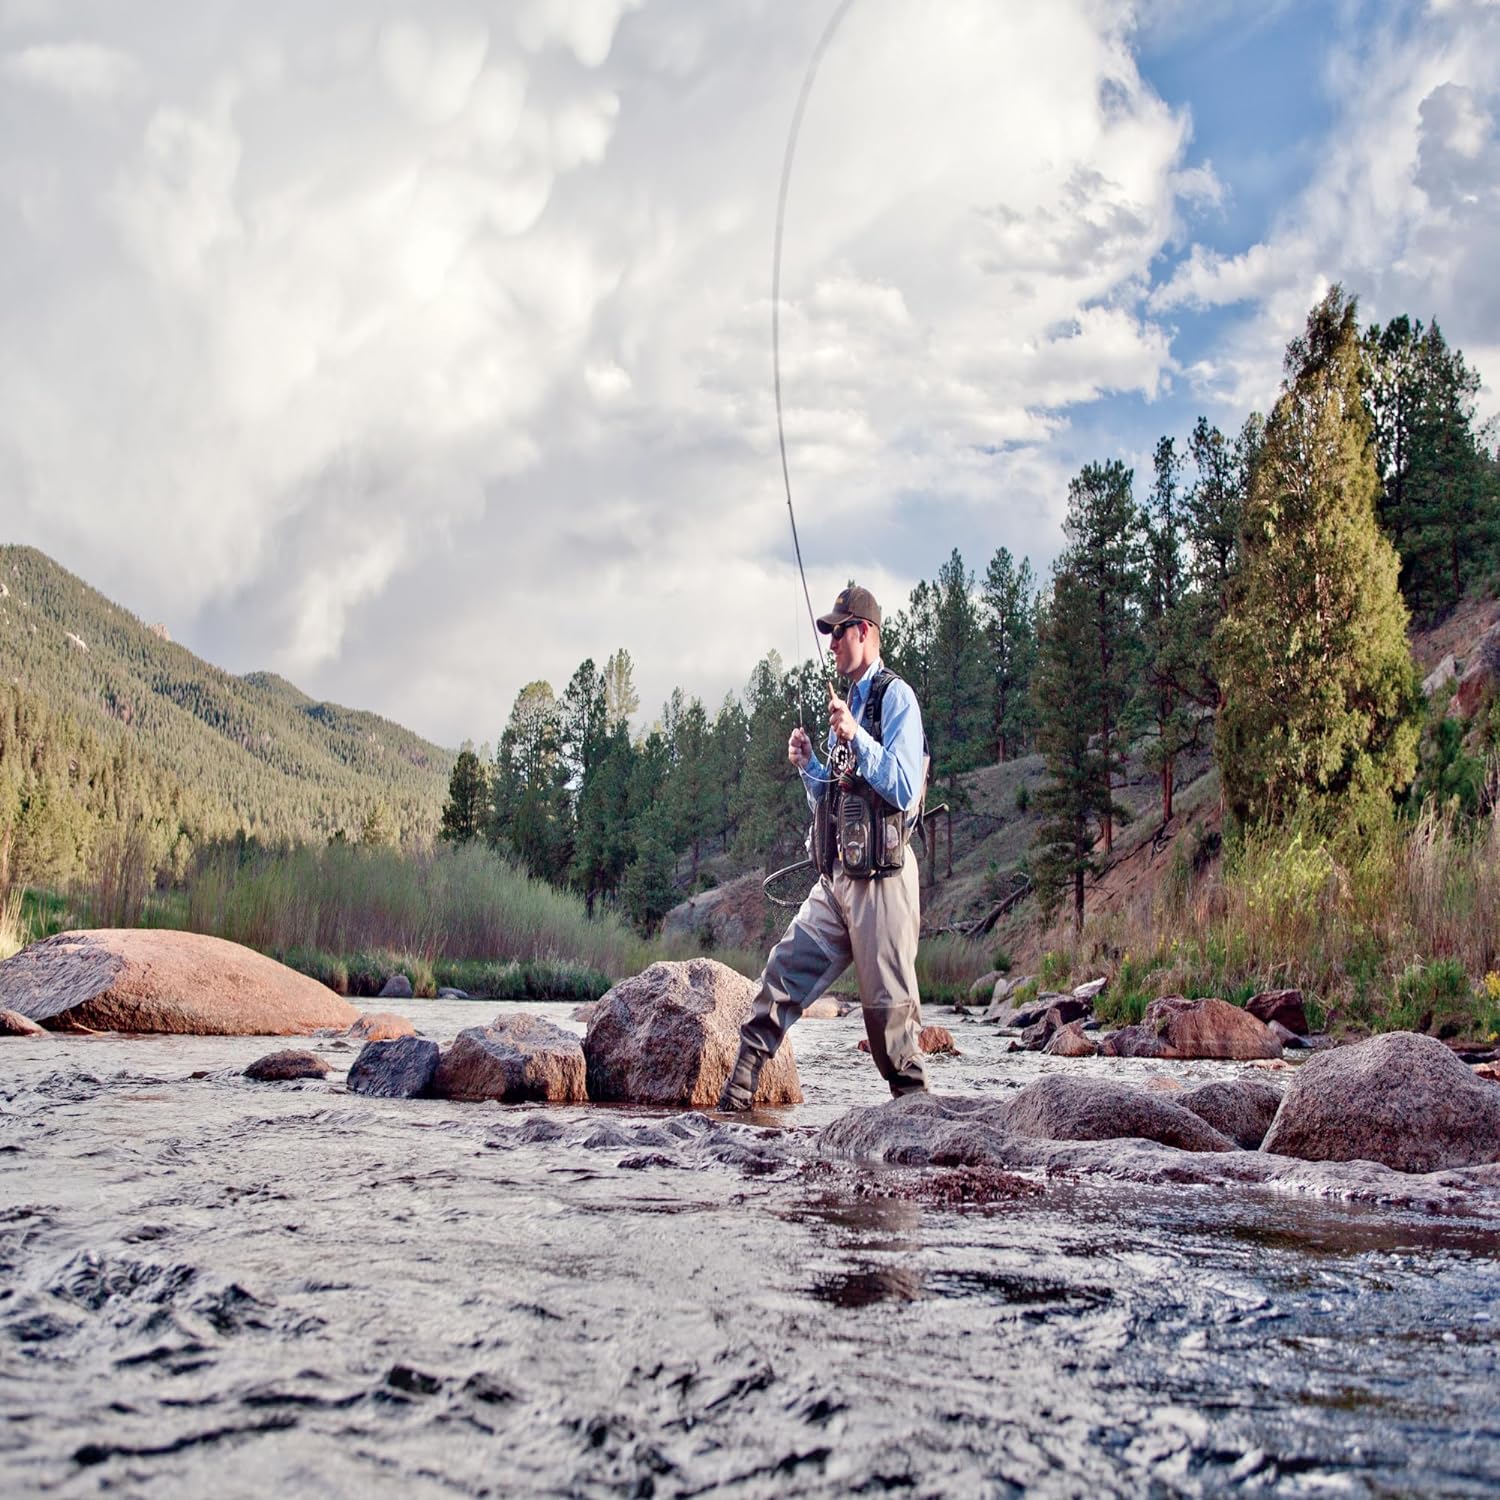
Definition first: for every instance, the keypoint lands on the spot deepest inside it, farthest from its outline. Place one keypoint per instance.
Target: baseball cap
(853, 603)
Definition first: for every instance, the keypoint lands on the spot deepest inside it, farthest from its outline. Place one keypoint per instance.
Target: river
(214, 1286)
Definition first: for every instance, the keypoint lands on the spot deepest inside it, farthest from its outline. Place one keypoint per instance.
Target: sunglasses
(837, 633)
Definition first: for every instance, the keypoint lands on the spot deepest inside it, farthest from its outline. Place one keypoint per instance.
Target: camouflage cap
(853, 603)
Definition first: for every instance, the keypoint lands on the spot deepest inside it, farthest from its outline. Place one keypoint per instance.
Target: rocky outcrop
(402, 1068)
(1241, 1108)
(1066, 1107)
(733, 915)
(1401, 1099)
(1476, 687)
(380, 1026)
(13, 1023)
(669, 1036)
(286, 1067)
(518, 1058)
(396, 987)
(1282, 1007)
(129, 979)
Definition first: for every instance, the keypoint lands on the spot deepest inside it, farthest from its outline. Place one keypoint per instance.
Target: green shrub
(1023, 797)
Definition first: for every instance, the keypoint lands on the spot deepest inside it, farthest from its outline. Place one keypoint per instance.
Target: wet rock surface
(380, 1026)
(152, 980)
(402, 1068)
(1065, 1108)
(13, 1023)
(1402, 1099)
(669, 1036)
(617, 1301)
(1209, 1028)
(518, 1058)
(286, 1067)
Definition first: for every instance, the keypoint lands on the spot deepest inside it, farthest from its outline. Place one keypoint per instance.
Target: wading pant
(872, 923)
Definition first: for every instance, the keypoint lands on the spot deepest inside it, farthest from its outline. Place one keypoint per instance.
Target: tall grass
(448, 904)
(1391, 922)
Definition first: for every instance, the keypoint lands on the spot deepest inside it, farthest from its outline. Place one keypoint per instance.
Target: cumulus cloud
(355, 345)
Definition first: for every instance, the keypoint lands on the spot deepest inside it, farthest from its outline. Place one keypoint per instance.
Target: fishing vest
(854, 827)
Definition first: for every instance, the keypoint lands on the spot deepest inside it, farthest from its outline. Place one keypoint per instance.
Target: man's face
(853, 647)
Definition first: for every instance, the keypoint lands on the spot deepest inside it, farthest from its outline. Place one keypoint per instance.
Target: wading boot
(739, 1090)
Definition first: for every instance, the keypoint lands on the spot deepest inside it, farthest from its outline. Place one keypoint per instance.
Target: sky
(416, 353)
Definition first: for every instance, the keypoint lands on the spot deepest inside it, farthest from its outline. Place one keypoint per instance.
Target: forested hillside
(105, 721)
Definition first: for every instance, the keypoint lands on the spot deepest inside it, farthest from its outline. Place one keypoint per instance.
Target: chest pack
(854, 828)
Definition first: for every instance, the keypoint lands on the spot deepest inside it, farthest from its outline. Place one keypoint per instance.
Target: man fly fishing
(864, 905)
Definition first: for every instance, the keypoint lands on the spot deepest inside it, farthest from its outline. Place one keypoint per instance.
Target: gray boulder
(1283, 1007)
(447, 992)
(669, 1036)
(520, 1057)
(1064, 1107)
(402, 1068)
(396, 987)
(1241, 1108)
(1134, 1041)
(1400, 1099)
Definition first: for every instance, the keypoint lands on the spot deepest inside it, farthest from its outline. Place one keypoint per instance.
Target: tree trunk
(1166, 790)
(1078, 900)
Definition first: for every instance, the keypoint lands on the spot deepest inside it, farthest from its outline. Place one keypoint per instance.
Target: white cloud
(356, 347)
(81, 71)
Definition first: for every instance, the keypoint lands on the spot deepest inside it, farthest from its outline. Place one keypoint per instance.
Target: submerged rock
(1241, 1108)
(1400, 1099)
(825, 1008)
(151, 980)
(447, 992)
(13, 1023)
(381, 1026)
(402, 1068)
(519, 1057)
(669, 1036)
(285, 1067)
(1063, 1107)
(937, 1039)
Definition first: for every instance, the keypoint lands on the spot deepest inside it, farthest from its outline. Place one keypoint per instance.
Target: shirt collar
(860, 687)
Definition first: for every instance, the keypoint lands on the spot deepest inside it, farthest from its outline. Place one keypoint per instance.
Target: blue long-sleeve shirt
(891, 764)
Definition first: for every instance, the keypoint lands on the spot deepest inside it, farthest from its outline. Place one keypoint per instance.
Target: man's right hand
(799, 749)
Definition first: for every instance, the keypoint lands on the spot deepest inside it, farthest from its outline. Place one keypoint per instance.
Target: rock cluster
(1063, 1024)
(1400, 1101)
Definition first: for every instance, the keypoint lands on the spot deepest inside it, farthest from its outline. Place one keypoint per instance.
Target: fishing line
(786, 178)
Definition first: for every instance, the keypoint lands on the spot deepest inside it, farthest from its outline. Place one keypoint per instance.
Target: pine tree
(1104, 549)
(1065, 686)
(466, 811)
(955, 710)
(529, 800)
(620, 697)
(1317, 679)
(1008, 612)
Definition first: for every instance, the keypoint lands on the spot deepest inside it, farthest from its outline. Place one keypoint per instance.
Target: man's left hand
(840, 720)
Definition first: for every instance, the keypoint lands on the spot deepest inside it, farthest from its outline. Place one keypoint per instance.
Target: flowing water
(209, 1286)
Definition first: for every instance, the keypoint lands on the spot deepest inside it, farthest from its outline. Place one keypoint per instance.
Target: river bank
(217, 1284)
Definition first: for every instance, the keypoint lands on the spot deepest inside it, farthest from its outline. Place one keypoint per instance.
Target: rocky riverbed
(209, 1284)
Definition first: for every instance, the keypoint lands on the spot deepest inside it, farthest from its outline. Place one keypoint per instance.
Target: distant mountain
(255, 750)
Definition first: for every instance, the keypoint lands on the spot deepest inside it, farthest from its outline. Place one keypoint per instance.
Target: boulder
(380, 1026)
(985, 986)
(520, 1057)
(1002, 1013)
(582, 1012)
(933, 1039)
(1440, 676)
(284, 1067)
(1063, 1012)
(1134, 1041)
(1489, 1071)
(669, 1036)
(1286, 1037)
(1209, 1028)
(1066, 1107)
(447, 992)
(401, 1068)
(13, 1023)
(151, 980)
(396, 987)
(1090, 991)
(1283, 1006)
(1069, 1041)
(1400, 1099)
(1241, 1108)
(825, 1008)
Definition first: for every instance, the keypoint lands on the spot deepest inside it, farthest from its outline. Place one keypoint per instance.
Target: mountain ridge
(277, 762)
